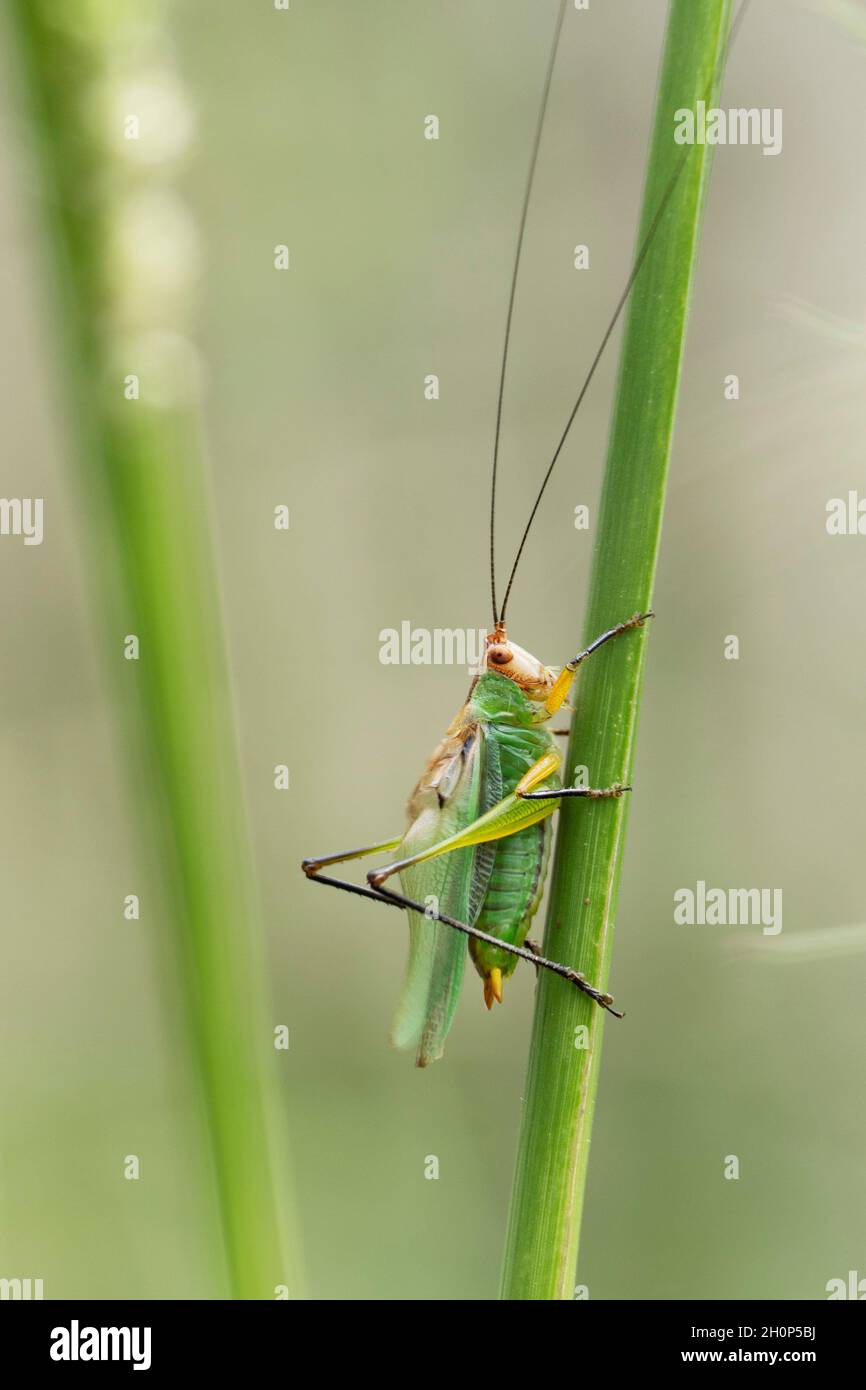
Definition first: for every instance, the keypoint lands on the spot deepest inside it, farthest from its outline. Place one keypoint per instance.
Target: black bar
(609, 1337)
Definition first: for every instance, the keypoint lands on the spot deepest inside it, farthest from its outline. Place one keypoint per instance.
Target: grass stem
(565, 1054)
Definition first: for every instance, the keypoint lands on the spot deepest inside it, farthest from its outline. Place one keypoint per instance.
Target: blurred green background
(309, 132)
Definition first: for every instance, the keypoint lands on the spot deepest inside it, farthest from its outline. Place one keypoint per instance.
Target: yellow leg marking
(562, 684)
(312, 866)
(561, 687)
(539, 772)
(505, 818)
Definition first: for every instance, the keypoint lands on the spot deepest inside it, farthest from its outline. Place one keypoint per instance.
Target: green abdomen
(519, 868)
(515, 889)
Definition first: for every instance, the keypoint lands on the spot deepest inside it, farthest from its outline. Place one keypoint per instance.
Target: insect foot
(616, 789)
(605, 1001)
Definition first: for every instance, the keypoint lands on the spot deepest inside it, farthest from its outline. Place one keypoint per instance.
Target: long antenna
(514, 273)
(621, 302)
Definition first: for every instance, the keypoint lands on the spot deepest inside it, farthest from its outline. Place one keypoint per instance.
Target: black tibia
(637, 620)
(594, 793)
(383, 895)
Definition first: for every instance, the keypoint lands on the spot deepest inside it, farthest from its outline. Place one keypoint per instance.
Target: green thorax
(496, 699)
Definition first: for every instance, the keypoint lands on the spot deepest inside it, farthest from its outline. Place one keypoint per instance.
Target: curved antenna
(533, 160)
(621, 302)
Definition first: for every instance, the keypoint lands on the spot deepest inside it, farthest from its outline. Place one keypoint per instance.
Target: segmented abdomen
(516, 883)
(517, 876)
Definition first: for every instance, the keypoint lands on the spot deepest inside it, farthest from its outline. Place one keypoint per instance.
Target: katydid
(473, 859)
(475, 854)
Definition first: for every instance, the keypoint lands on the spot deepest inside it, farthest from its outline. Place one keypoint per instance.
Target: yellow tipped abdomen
(493, 987)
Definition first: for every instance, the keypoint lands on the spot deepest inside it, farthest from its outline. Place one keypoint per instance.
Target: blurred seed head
(154, 259)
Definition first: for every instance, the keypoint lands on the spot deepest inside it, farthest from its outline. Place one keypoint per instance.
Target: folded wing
(455, 788)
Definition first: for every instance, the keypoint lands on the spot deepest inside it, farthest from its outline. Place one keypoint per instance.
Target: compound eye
(500, 656)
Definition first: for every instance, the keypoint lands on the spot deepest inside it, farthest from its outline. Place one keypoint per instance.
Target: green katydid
(475, 855)
(473, 859)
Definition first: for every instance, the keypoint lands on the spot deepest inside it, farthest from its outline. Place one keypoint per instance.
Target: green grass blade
(560, 1095)
(147, 501)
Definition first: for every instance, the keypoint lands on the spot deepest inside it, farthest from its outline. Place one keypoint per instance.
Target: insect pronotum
(473, 858)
